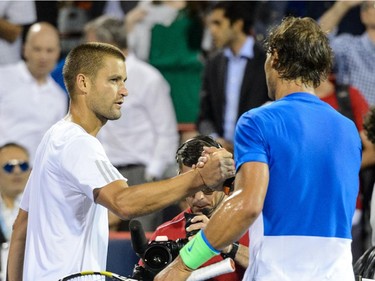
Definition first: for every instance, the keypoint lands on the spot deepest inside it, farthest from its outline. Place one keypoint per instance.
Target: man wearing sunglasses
(200, 207)
(14, 172)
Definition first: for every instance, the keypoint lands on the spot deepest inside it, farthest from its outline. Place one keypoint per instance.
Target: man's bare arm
(333, 16)
(9, 31)
(233, 218)
(17, 247)
(129, 202)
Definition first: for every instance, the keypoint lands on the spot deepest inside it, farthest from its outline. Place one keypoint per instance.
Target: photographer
(201, 206)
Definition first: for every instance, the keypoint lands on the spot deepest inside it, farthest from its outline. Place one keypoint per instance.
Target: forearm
(242, 256)
(139, 200)
(333, 16)
(8, 31)
(226, 225)
(17, 248)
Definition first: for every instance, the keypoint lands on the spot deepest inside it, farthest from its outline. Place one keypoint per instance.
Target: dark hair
(302, 49)
(87, 59)
(238, 10)
(369, 124)
(190, 151)
(108, 30)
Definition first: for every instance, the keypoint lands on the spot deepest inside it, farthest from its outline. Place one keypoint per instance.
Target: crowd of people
(254, 80)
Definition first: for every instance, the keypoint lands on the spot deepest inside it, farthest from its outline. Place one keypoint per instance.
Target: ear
(238, 25)
(274, 59)
(82, 82)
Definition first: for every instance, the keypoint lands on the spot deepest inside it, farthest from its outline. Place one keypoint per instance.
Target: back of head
(109, 30)
(87, 59)
(239, 10)
(190, 151)
(302, 50)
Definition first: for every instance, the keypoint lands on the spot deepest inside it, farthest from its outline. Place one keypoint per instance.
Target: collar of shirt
(247, 50)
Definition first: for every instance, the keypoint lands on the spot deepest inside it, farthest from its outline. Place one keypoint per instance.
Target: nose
(199, 195)
(123, 91)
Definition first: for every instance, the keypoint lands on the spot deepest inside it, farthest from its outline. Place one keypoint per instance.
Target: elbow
(252, 211)
(124, 209)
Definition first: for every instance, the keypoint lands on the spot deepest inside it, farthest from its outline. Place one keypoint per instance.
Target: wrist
(197, 251)
(232, 253)
(201, 177)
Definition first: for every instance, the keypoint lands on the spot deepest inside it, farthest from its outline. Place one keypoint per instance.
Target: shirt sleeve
(86, 166)
(21, 12)
(250, 144)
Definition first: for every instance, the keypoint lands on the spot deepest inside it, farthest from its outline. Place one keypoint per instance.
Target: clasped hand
(215, 166)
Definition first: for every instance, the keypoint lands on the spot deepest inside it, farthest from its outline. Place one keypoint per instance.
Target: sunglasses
(9, 167)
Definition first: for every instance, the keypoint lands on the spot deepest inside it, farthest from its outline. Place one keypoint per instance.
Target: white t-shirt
(67, 231)
(28, 109)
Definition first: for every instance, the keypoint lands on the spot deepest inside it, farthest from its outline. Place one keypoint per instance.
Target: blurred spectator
(354, 55)
(349, 102)
(355, 65)
(169, 34)
(234, 79)
(30, 100)
(200, 207)
(344, 98)
(14, 172)
(13, 16)
(142, 142)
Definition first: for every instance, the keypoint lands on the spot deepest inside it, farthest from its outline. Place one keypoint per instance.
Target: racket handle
(212, 270)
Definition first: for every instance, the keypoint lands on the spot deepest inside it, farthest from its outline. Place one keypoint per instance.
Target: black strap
(232, 253)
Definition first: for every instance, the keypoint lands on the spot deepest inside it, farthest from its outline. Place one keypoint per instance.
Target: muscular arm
(333, 16)
(241, 209)
(129, 202)
(9, 31)
(233, 218)
(17, 247)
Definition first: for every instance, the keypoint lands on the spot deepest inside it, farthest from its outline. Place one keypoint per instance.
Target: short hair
(108, 30)
(190, 151)
(303, 50)
(238, 10)
(87, 58)
(369, 124)
(13, 144)
(365, 5)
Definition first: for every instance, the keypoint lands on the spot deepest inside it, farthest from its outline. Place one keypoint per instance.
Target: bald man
(30, 100)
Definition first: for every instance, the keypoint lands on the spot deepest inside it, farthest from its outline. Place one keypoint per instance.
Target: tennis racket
(96, 276)
(204, 273)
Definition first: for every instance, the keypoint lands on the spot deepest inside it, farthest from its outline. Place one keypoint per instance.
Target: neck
(371, 34)
(8, 201)
(87, 120)
(40, 79)
(238, 43)
(285, 88)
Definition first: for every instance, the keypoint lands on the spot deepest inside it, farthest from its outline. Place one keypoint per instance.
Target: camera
(161, 253)
(157, 254)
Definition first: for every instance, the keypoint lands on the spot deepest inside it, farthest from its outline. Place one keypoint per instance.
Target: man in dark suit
(234, 78)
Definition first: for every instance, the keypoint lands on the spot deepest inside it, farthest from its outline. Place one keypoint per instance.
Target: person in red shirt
(202, 204)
